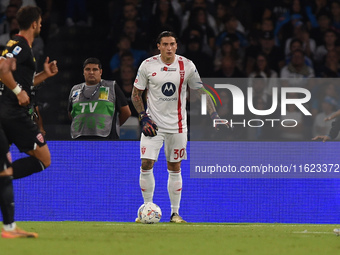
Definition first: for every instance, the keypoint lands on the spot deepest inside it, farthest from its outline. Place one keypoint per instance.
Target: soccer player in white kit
(166, 77)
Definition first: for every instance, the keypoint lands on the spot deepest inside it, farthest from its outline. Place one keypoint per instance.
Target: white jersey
(167, 91)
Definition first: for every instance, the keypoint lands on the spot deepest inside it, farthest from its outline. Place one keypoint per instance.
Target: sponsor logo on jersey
(154, 74)
(16, 50)
(168, 89)
(11, 43)
(168, 69)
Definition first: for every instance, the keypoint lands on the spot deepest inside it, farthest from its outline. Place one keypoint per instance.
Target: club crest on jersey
(143, 149)
(168, 89)
(168, 69)
(40, 137)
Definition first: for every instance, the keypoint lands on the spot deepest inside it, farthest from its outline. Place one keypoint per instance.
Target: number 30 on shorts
(179, 153)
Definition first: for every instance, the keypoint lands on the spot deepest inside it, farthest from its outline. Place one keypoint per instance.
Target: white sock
(175, 189)
(147, 184)
(10, 227)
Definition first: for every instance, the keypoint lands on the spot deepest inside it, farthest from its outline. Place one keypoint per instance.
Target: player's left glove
(149, 127)
(218, 122)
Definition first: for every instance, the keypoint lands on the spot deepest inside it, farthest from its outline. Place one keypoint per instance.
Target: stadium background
(98, 181)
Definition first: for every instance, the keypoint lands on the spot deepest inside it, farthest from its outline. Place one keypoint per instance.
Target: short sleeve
(141, 80)
(194, 79)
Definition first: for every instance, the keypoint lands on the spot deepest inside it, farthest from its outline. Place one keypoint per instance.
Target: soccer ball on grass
(149, 213)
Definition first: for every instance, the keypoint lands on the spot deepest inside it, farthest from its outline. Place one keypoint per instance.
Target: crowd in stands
(224, 38)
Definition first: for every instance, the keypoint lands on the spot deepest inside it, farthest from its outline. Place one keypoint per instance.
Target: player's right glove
(149, 127)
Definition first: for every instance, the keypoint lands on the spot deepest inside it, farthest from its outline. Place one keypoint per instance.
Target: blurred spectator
(164, 19)
(203, 62)
(242, 10)
(330, 38)
(124, 45)
(267, 25)
(251, 51)
(328, 107)
(262, 69)
(46, 9)
(129, 12)
(76, 13)
(201, 4)
(296, 44)
(324, 24)
(277, 10)
(229, 69)
(322, 91)
(230, 47)
(318, 7)
(10, 13)
(13, 29)
(267, 46)
(221, 13)
(198, 16)
(138, 39)
(176, 6)
(230, 27)
(195, 29)
(126, 59)
(18, 3)
(331, 67)
(335, 15)
(301, 33)
(297, 67)
(125, 81)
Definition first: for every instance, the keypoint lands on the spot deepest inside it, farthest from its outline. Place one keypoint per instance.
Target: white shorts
(174, 146)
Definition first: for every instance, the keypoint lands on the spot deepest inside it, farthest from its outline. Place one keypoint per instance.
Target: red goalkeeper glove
(149, 127)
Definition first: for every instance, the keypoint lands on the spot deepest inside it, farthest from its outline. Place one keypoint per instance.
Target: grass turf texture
(64, 238)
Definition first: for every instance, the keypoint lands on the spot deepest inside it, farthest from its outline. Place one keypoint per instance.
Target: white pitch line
(314, 232)
(217, 225)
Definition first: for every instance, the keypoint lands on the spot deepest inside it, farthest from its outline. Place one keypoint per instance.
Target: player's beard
(36, 33)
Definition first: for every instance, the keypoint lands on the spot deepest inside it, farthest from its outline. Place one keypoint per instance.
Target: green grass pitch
(96, 238)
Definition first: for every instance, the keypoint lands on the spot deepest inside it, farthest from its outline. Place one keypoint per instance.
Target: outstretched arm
(333, 116)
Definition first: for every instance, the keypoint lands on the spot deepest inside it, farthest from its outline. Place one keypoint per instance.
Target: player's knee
(147, 164)
(174, 166)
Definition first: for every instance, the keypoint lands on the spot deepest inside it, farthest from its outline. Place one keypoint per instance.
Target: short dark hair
(27, 15)
(95, 61)
(294, 41)
(166, 34)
